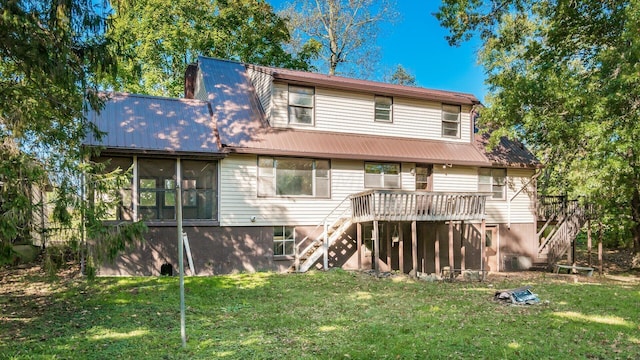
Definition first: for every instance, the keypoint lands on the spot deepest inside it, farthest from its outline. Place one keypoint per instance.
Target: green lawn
(330, 315)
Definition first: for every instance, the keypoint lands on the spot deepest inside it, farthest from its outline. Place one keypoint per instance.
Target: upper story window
(383, 108)
(451, 121)
(382, 175)
(493, 181)
(293, 177)
(301, 102)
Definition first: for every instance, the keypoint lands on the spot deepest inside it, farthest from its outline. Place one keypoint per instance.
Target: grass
(321, 315)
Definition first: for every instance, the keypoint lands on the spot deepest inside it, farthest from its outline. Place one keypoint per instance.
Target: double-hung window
(382, 175)
(293, 177)
(493, 181)
(301, 102)
(383, 108)
(451, 121)
(283, 240)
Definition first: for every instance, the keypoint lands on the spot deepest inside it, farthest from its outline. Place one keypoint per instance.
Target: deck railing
(391, 205)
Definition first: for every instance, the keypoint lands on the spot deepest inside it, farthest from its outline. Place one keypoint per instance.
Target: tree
(564, 77)
(53, 53)
(347, 31)
(401, 77)
(157, 39)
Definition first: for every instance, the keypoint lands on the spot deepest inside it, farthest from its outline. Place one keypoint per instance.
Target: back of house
(289, 170)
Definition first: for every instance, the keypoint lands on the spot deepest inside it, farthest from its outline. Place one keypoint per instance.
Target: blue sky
(417, 42)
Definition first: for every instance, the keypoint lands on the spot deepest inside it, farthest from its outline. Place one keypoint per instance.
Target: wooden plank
(414, 248)
(483, 242)
(463, 248)
(600, 249)
(359, 244)
(436, 258)
(187, 248)
(401, 249)
(451, 258)
(376, 246)
(589, 244)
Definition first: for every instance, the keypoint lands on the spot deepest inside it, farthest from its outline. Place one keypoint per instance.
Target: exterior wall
(262, 84)
(239, 201)
(353, 112)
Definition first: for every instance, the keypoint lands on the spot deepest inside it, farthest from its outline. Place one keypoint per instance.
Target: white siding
(465, 179)
(455, 179)
(353, 112)
(239, 201)
(262, 84)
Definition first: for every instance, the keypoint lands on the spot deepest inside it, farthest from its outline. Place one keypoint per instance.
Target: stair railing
(343, 209)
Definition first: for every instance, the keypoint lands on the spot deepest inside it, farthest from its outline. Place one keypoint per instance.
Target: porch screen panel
(156, 186)
(199, 189)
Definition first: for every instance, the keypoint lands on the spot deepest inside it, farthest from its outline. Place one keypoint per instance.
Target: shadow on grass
(329, 315)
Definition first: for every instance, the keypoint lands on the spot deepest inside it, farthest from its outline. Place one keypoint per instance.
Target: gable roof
(149, 124)
(508, 153)
(379, 88)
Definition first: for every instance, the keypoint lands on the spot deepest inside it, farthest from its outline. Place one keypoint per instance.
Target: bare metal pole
(183, 331)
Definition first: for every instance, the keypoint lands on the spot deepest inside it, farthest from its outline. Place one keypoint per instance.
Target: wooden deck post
(463, 248)
(437, 249)
(401, 249)
(359, 244)
(589, 244)
(414, 248)
(388, 237)
(483, 242)
(451, 264)
(376, 246)
(424, 247)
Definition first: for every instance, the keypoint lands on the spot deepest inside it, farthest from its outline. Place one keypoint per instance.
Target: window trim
(284, 241)
(492, 183)
(444, 121)
(382, 175)
(273, 177)
(375, 109)
(290, 105)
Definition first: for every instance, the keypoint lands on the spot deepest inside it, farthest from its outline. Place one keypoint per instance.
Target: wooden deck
(395, 205)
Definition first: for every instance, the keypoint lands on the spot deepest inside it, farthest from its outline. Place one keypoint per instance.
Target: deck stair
(310, 249)
(566, 218)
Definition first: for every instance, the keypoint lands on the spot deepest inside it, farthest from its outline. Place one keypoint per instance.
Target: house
(289, 170)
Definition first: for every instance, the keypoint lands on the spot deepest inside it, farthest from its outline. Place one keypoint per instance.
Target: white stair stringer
(340, 226)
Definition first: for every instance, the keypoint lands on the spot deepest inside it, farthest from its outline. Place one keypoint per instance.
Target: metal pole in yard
(183, 331)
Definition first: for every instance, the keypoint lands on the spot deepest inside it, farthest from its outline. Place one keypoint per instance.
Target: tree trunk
(635, 211)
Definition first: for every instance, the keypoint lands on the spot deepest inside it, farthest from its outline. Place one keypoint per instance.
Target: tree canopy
(347, 31)
(52, 55)
(401, 76)
(565, 77)
(156, 39)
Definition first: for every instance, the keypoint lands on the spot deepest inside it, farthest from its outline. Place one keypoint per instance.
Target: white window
(293, 177)
(301, 102)
(382, 175)
(383, 108)
(284, 240)
(493, 181)
(451, 121)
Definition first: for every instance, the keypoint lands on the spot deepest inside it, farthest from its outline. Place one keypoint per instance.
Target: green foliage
(402, 77)
(53, 56)
(344, 32)
(157, 39)
(331, 315)
(564, 77)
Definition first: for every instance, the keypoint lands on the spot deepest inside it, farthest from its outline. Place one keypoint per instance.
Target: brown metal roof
(343, 83)
(509, 153)
(352, 146)
(154, 124)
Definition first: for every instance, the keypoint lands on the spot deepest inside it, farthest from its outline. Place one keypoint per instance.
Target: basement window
(283, 240)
